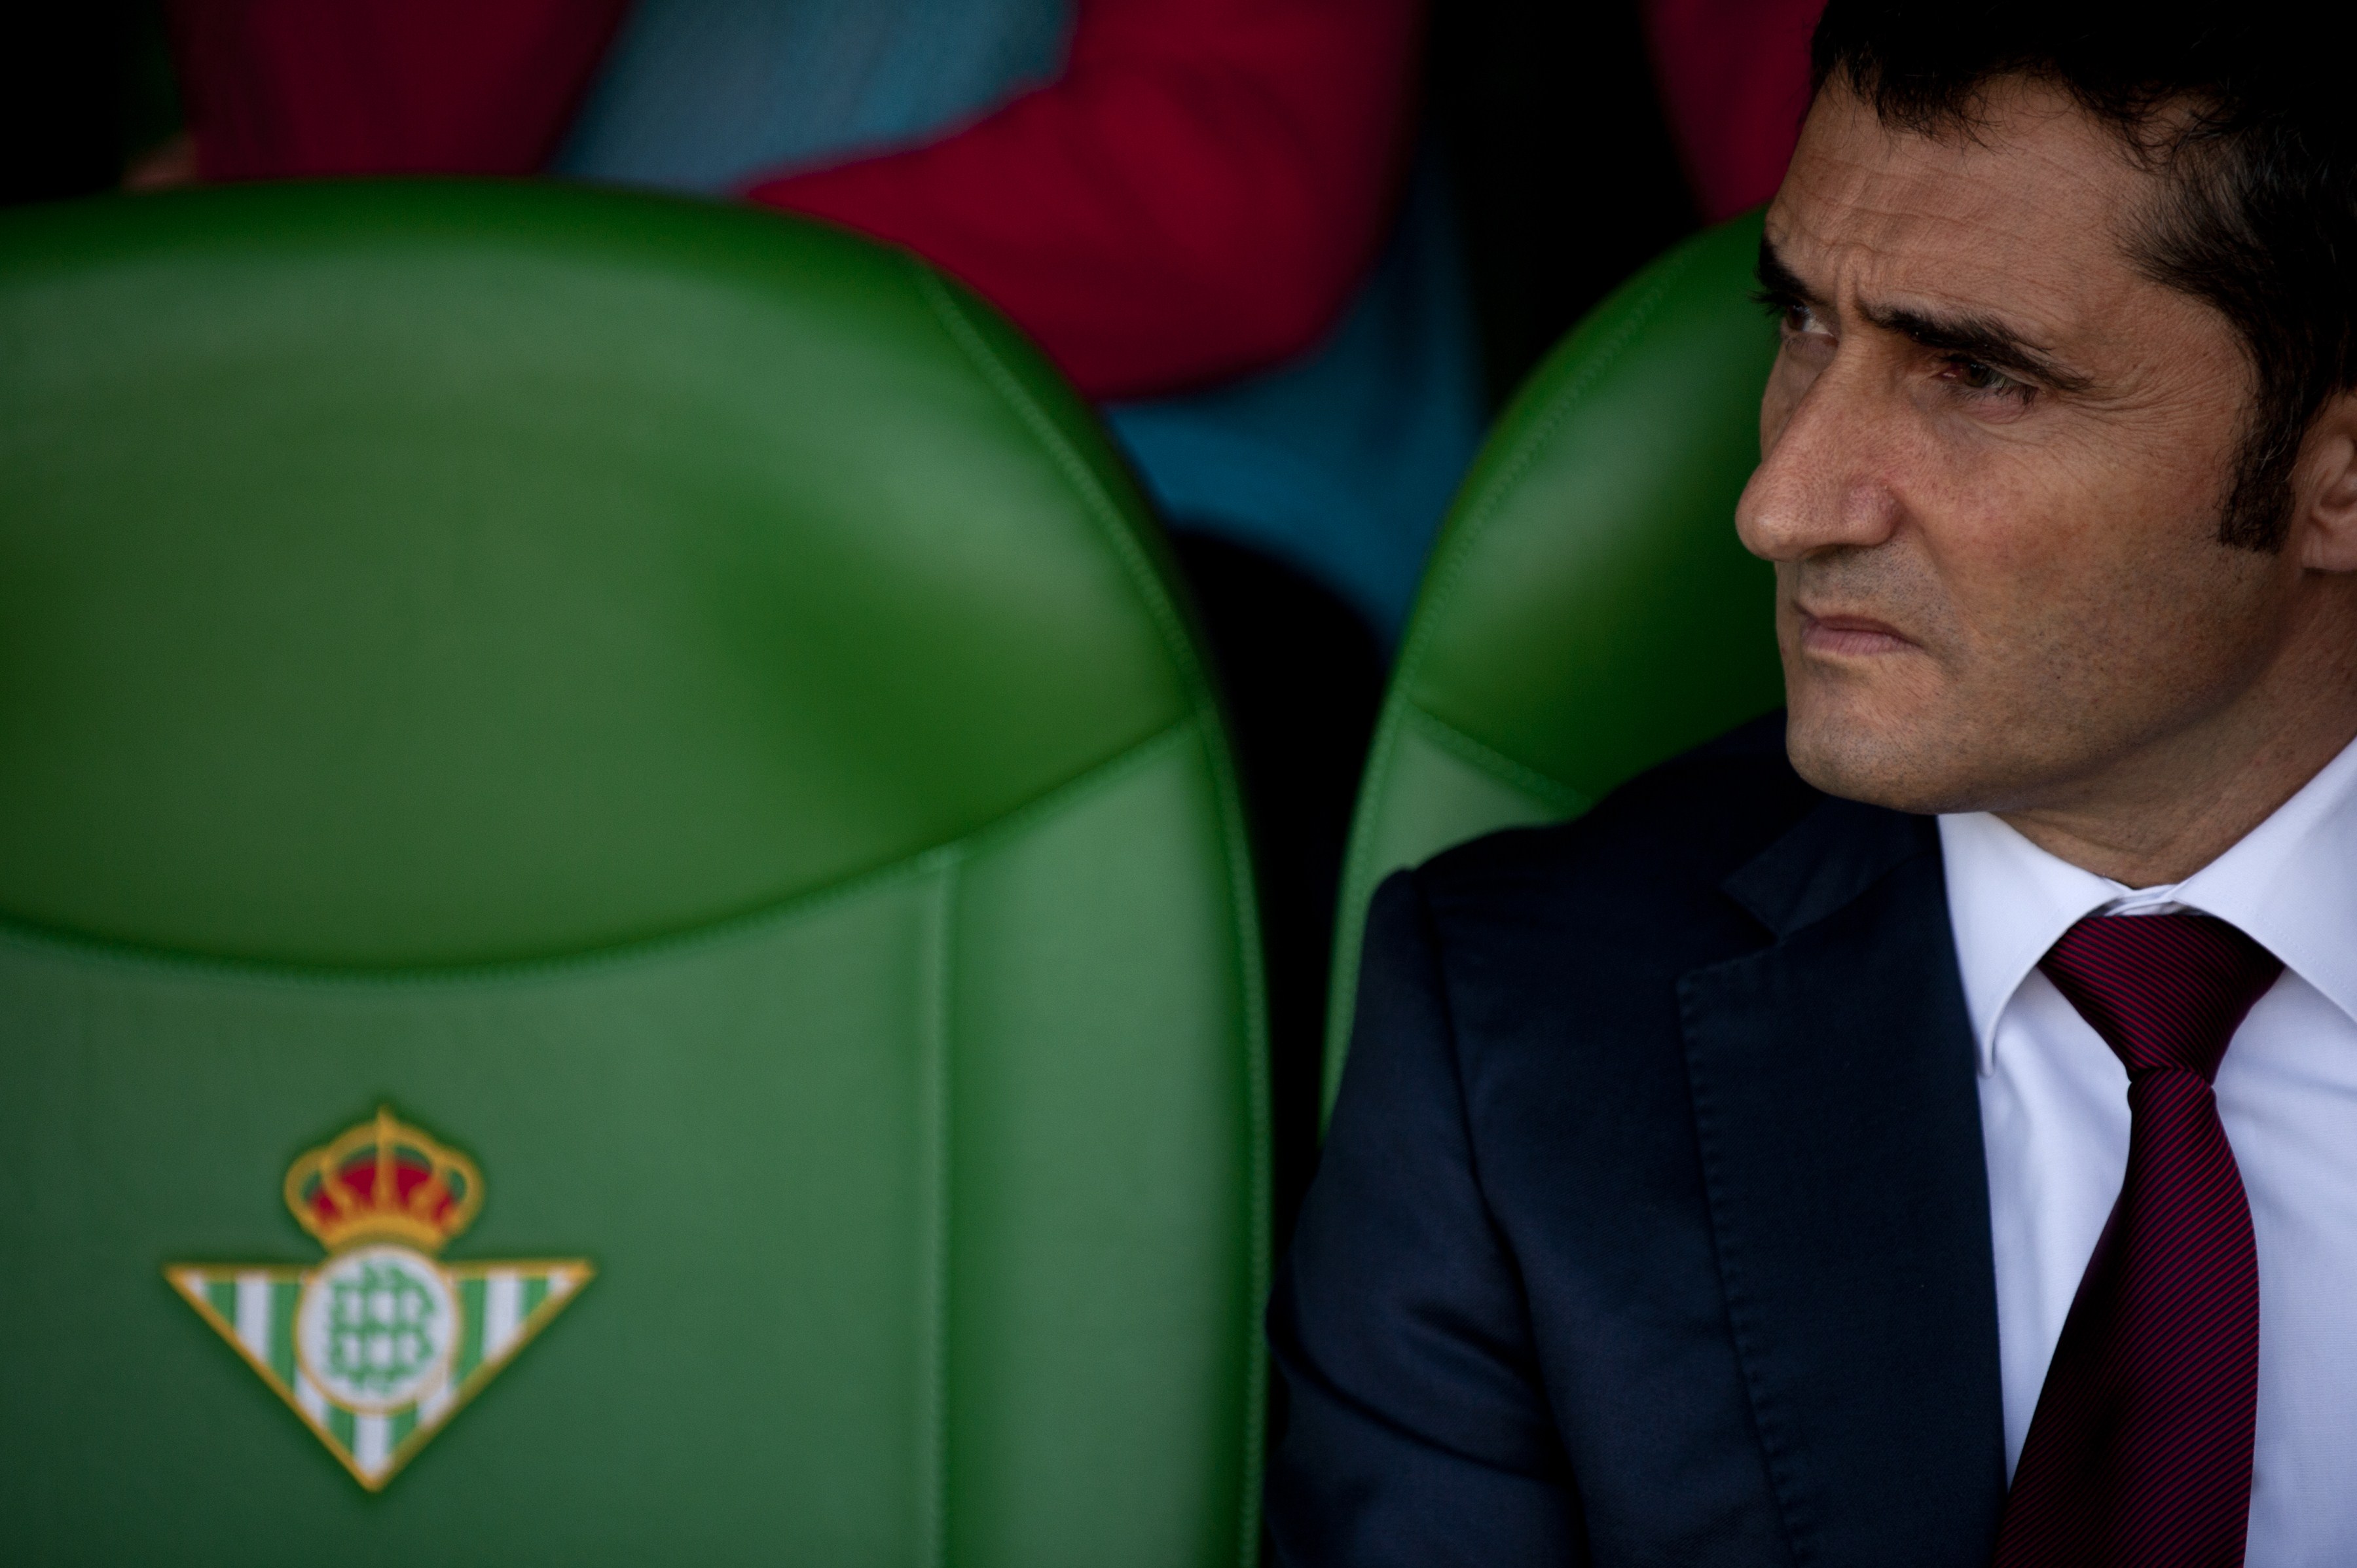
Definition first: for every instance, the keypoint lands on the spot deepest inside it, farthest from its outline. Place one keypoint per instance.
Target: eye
(1793, 317)
(1975, 376)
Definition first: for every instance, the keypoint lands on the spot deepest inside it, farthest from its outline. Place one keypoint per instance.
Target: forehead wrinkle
(2020, 119)
(1988, 338)
(2103, 340)
(1969, 328)
(1974, 203)
(1887, 236)
(1851, 275)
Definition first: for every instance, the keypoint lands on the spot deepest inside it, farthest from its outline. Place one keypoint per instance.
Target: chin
(1904, 762)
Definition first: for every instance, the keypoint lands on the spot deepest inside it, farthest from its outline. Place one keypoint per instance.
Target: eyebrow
(1984, 338)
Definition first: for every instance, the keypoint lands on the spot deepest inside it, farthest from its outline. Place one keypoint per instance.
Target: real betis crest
(378, 1346)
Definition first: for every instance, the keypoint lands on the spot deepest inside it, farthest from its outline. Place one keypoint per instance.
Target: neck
(2179, 802)
(2175, 838)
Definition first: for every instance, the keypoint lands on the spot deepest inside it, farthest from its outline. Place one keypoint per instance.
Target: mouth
(1850, 636)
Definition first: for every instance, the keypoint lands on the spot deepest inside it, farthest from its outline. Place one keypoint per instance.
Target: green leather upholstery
(681, 705)
(1587, 611)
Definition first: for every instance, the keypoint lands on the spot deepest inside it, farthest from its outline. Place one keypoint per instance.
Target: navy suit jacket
(1652, 1225)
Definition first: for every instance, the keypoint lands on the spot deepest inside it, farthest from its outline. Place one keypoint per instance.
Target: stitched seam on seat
(1489, 759)
(1456, 549)
(745, 926)
(1484, 508)
(1077, 473)
(939, 971)
(1148, 580)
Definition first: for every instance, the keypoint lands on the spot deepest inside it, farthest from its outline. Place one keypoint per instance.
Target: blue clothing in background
(704, 95)
(1340, 462)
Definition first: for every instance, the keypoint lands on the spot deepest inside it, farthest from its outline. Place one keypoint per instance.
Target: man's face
(1993, 461)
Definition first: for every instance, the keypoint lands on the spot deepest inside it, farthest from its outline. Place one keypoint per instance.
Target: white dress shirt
(2054, 1120)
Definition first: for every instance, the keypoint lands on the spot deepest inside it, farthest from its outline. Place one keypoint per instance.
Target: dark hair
(2241, 116)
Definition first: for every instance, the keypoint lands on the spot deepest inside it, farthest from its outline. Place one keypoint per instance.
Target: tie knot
(2164, 990)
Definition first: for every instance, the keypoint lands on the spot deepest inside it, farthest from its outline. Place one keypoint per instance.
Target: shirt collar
(2290, 883)
(2008, 901)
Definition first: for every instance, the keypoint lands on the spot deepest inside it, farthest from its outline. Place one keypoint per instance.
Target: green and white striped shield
(378, 1346)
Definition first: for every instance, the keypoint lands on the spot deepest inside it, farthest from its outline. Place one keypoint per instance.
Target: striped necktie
(2139, 1453)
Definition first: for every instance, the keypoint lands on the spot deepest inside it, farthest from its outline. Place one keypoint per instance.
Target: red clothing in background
(1734, 82)
(1195, 197)
(282, 88)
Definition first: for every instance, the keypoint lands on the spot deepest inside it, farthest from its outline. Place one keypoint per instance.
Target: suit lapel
(1840, 1125)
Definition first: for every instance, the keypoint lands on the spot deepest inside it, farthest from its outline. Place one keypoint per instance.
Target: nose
(1827, 451)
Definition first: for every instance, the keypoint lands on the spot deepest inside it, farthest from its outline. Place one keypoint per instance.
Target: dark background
(83, 89)
(1566, 181)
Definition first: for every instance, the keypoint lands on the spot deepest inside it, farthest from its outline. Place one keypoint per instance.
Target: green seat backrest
(1587, 611)
(679, 707)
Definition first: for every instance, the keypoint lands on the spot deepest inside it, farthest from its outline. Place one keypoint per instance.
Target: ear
(2324, 489)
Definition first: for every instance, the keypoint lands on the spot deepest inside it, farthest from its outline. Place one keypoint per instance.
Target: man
(1940, 1148)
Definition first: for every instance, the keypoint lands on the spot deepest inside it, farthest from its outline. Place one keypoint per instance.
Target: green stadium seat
(1587, 611)
(650, 746)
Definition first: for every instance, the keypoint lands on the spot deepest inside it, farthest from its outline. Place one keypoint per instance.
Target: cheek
(2080, 583)
(2050, 538)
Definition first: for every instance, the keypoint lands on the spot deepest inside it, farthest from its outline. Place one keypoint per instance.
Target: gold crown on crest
(384, 1179)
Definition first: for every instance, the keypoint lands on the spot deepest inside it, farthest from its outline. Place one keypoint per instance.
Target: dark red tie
(2139, 1453)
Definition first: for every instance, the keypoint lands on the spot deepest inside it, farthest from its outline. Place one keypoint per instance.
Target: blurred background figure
(1735, 78)
(1296, 251)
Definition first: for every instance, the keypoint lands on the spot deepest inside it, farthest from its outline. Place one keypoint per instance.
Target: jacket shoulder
(1644, 862)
